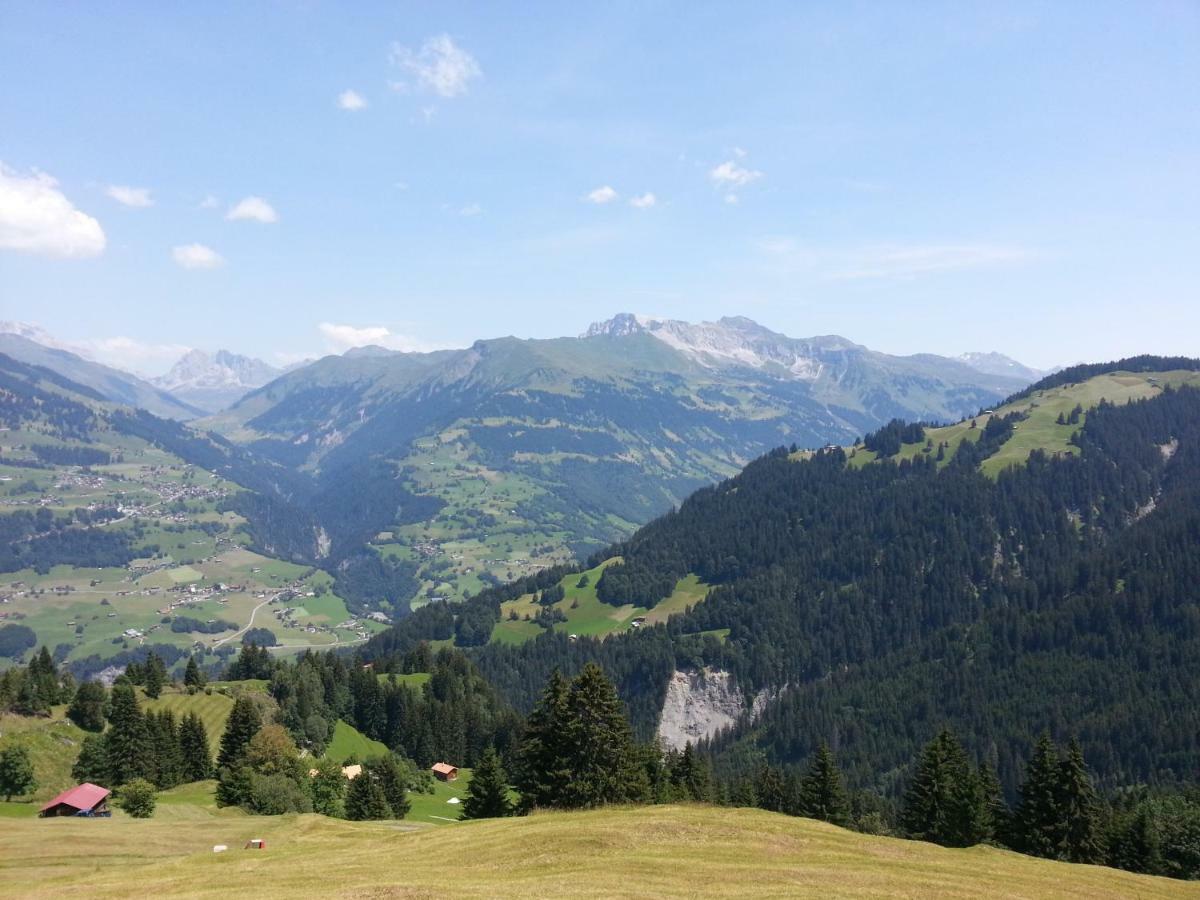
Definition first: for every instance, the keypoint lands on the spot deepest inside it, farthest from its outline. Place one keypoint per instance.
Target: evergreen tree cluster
(31, 690)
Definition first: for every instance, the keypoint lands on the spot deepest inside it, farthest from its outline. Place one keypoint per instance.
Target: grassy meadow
(586, 614)
(667, 851)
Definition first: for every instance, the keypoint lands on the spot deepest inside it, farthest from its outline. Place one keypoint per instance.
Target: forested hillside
(883, 601)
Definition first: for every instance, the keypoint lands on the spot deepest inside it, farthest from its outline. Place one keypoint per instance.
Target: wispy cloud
(470, 210)
(197, 256)
(351, 101)
(601, 195)
(439, 65)
(643, 201)
(209, 202)
(730, 174)
(36, 217)
(130, 196)
(252, 209)
(341, 337)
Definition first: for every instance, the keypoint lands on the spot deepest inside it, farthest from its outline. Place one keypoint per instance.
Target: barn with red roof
(82, 800)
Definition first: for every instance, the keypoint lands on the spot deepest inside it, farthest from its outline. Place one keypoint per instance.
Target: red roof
(84, 796)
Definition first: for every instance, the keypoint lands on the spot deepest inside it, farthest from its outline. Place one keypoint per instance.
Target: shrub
(137, 798)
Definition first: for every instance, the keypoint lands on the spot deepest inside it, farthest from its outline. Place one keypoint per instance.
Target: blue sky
(916, 176)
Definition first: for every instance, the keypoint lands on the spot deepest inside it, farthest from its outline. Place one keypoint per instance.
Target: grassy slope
(652, 851)
(213, 709)
(1040, 430)
(349, 741)
(53, 743)
(591, 617)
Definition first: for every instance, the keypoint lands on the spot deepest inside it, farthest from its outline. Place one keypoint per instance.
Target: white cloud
(341, 338)
(730, 174)
(197, 256)
(254, 209)
(471, 209)
(602, 195)
(731, 199)
(439, 65)
(352, 101)
(209, 202)
(129, 196)
(36, 217)
(645, 201)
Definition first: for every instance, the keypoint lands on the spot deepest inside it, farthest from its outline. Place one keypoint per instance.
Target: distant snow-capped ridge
(40, 335)
(999, 364)
(197, 369)
(731, 341)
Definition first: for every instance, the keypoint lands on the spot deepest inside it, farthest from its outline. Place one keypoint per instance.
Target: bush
(137, 798)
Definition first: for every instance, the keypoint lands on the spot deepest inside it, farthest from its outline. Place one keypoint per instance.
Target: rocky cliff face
(699, 703)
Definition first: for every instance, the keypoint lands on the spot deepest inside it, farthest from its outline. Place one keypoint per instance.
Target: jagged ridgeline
(1033, 567)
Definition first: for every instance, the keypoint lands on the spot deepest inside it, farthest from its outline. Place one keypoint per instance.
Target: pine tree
(193, 678)
(154, 675)
(92, 762)
(1082, 838)
(487, 794)
(999, 817)
(1037, 824)
(365, 800)
(384, 771)
(771, 789)
(691, 776)
(127, 741)
(943, 803)
(542, 772)
(821, 794)
(598, 744)
(244, 722)
(167, 757)
(87, 706)
(193, 748)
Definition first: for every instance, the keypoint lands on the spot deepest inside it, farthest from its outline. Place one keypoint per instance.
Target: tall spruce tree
(154, 675)
(1082, 834)
(193, 678)
(999, 817)
(1037, 824)
(691, 776)
(87, 706)
(821, 794)
(487, 794)
(166, 757)
(386, 773)
(196, 758)
(943, 803)
(244, 722)
(127, 741)
(598, 744)
(92, 762)
(366, 800)
(542, 771)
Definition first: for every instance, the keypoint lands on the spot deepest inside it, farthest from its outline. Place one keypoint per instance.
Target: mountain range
(471, 467)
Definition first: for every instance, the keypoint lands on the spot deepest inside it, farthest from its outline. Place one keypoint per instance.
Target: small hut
(445, 772)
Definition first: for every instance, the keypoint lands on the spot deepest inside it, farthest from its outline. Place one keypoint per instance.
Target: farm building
(83, 800)
(445, 772)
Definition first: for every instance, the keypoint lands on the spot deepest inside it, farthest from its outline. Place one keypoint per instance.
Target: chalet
(83, 800)
(445, 772)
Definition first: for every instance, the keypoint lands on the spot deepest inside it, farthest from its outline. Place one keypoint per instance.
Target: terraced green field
(213, 709)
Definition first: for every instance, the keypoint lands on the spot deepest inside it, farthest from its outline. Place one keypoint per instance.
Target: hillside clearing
(674, 851)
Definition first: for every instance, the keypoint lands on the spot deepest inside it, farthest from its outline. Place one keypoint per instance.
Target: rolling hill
(663, 851)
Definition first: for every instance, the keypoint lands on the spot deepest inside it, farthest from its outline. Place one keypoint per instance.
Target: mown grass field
(53, 744)
(586, 614)
(213, 709)
(670, 851)
(436, 808)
